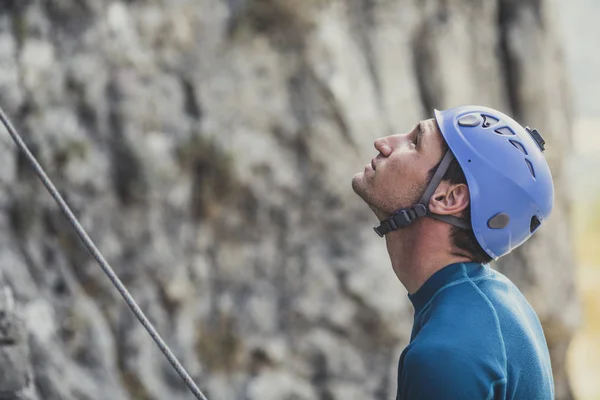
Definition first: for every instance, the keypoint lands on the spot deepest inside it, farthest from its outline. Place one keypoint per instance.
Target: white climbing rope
(98, 256)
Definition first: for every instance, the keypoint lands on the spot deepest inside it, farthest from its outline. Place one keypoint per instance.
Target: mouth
(373, 164)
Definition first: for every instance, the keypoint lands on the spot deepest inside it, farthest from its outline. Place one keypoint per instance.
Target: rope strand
(89, 244)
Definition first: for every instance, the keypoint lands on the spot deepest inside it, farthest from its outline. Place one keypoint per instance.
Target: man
(453, 194)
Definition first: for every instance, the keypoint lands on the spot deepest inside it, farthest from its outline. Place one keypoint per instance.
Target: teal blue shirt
(475, 336)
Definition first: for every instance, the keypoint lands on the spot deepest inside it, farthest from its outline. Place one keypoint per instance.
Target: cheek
(400, 169)
(403, 180)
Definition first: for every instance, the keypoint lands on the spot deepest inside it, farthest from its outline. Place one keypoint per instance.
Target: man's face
(398, 176)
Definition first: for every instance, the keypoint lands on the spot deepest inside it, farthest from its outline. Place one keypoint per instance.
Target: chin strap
(401, 219)
(405, 216)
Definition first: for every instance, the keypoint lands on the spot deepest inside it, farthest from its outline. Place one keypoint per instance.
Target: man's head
(493, 180)
(399, 175)
(396, 177)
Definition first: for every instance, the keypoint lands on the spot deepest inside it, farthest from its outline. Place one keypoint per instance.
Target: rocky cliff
(208, 147)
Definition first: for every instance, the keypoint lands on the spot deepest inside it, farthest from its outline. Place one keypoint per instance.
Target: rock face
(208, 146)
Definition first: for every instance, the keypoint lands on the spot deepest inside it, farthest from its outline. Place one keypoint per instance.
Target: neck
(419, 251)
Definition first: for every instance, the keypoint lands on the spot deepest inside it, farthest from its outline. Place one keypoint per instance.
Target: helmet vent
(530, 167)
(470, 120)
(498, 221)
(534, 224)
(519, 146)
(489, 121)
(506, 131)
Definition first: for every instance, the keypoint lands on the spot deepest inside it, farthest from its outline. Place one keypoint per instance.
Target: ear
(449, 199)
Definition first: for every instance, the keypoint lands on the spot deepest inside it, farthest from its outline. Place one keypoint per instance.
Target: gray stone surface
(208, 147)
(16, 373)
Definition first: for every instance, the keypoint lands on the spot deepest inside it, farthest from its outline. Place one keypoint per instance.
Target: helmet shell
(506, 173)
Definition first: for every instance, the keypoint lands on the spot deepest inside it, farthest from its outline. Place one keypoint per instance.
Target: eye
(417, 135)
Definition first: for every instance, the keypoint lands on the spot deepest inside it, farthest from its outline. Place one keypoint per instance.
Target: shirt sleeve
(443, 373)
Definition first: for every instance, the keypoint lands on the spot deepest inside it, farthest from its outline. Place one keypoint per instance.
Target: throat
(415, 257)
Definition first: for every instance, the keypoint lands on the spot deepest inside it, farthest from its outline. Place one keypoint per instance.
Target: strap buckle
(400, 219)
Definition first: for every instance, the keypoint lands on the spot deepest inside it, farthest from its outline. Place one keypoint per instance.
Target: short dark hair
(463, 239)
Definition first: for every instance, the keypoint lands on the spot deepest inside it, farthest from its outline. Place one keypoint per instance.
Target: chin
(360, 188)
(357, 184)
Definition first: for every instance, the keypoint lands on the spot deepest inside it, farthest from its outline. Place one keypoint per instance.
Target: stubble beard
(362, 189)
(359, 187)
(381, 206)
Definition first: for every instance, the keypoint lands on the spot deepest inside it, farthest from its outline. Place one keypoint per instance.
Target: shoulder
(464, 327)
(443, 370)
(430, 358)
(462, 308)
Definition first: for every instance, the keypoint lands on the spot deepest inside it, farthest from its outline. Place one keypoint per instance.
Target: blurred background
(209, 145)
(580, 34)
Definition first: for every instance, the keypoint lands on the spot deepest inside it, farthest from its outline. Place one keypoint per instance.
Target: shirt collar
(447, 275)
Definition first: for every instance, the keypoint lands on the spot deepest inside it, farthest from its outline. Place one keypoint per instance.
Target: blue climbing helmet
(510, 185)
